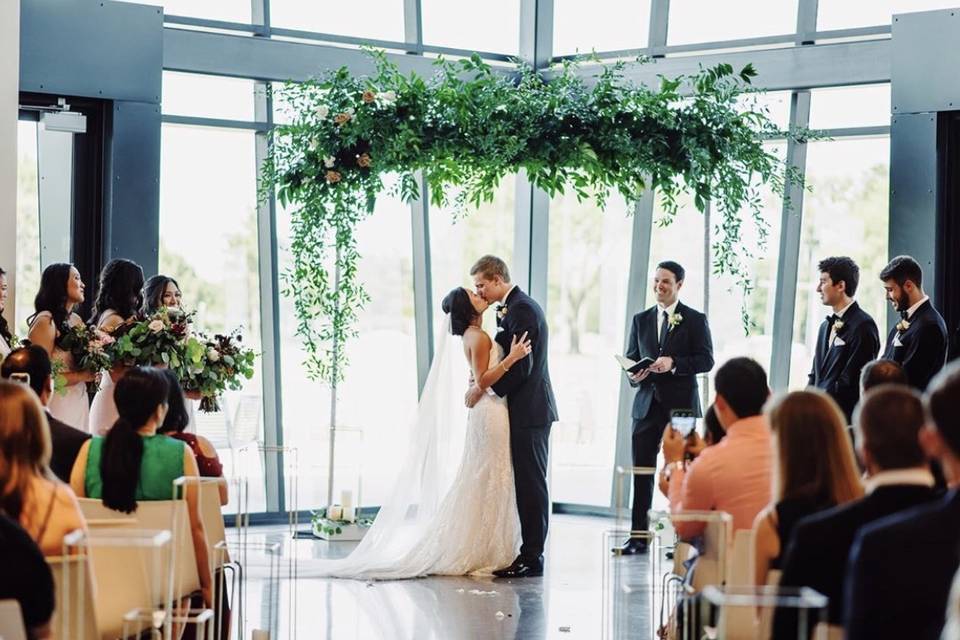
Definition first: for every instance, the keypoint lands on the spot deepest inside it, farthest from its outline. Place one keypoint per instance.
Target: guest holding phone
(733, 475)
(677, 339)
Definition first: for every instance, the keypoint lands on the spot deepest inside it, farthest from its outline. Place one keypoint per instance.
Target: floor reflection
(566, 603)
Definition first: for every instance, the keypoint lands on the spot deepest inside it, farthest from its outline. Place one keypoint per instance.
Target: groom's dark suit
(532, 409)
(922, 348)
(837, 366)
(690, 346)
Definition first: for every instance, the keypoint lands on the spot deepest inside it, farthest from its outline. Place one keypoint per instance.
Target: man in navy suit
(919, 340)
(848, 338)
(678, 339)
(889, 421)
(530, 403)
(901, 567)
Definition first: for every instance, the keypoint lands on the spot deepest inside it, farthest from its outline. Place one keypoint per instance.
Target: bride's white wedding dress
(449, 513)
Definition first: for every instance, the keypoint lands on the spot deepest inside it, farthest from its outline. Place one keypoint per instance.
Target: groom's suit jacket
(836, 368)
(922, 348)
(527, 384)
(691, 347)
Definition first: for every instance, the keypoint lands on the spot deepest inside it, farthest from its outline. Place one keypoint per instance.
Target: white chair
(158, 515)
(215, 427)
(11, 621)
(244, 426)
(738, 568)
(74, 617)
(212, 516)
(129, 571)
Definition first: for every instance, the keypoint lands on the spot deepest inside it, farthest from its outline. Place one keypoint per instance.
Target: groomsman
(848, 338)
(678, 339)
(919, 340)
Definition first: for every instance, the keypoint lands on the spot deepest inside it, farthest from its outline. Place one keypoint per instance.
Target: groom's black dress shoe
(633, 547)
(521, 569)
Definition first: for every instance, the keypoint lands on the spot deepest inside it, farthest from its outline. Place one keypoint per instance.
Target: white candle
(350, 514)
(334, 512)
(346, 498)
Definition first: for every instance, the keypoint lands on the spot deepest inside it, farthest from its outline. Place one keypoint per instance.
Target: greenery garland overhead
(468, 126)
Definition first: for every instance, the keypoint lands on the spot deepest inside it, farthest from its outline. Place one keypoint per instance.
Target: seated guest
(712, 434)
(26, 578)
(29, 493)
(174, 425)
(882, 371)
(814, 470)
(888, 420)
(718, 479)
(133, 462)
(901, 566)
(31, 365)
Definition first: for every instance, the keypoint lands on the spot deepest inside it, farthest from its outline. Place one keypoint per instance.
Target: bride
(442, 518)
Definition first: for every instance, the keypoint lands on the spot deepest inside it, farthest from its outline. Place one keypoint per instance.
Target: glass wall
(208, 243)
(371, 425)
(28, 227)
(589, 263)
(209, 235)
(456, 241)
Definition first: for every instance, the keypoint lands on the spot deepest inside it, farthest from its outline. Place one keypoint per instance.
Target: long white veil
(424, 475)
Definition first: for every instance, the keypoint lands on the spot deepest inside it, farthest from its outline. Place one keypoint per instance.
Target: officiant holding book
(677, 338)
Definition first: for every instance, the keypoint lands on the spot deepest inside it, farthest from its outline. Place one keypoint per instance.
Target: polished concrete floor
(568, 602)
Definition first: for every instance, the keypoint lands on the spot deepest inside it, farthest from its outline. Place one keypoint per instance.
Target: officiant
(677, 338)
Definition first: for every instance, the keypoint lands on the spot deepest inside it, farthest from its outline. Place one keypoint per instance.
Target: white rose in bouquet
(156, 326)
(213, 355)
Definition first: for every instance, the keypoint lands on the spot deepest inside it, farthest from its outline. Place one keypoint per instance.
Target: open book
(632, 366)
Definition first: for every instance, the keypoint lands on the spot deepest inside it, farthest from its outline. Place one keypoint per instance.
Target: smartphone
(683, 421)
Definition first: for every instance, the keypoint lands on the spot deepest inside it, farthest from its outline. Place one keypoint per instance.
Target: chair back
(11, 621)
(157, 515)
(74, 617)
(738, 568)
(212, 516)
(245, 425)
(214, 426)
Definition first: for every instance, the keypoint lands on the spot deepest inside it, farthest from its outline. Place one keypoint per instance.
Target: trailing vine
(468, 126)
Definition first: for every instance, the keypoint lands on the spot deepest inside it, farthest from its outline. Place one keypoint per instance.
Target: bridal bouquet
(213, 365)
(154, 340)
(90, 349)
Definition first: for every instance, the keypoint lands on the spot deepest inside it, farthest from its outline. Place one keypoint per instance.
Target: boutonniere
(502, 311)
(903, 325)
(674, 320)
(837, 326)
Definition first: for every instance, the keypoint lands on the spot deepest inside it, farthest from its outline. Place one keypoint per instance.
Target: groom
(531, 405)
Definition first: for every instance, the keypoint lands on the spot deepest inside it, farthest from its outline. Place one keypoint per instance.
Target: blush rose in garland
(468, 126)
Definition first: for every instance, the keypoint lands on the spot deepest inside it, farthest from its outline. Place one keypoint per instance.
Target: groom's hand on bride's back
(473, 395)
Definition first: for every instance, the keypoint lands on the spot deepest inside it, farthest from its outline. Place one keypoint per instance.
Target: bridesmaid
(118, 299)
(5, 334)
(163, 291)
(61, 291)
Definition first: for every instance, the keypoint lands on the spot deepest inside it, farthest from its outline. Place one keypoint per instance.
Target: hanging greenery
(468, 126)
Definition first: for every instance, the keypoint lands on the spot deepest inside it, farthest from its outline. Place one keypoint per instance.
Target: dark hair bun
(457, 304)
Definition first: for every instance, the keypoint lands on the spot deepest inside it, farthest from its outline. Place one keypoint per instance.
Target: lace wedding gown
(443, 519)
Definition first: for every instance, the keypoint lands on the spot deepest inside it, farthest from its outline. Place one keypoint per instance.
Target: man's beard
(903, 301)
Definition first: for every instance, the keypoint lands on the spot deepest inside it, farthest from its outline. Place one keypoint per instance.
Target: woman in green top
(132, 462)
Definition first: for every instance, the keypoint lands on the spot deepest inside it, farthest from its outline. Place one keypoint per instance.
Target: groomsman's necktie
(664, 327)
(831, 334)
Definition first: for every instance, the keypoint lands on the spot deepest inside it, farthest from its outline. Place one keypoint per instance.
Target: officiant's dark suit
(922, 348)
(837, 364)
(691, 347)
(532, 410)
